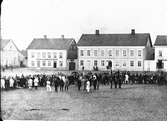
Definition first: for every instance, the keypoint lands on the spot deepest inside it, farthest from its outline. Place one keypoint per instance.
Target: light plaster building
(57, 53)
(113, 51)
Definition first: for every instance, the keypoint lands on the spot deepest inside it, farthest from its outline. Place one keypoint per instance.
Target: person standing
(30, 83)
(11, 82)
(36, 83)
(88, 86)
(56, 80)
(48, 87)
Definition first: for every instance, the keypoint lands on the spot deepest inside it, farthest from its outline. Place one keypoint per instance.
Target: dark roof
(4, 42)
(47, 43)
(161, 40)
(24, 53)
(150, 53)
(114, 39)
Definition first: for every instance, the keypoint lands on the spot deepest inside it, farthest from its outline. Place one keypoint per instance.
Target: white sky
(23, 20)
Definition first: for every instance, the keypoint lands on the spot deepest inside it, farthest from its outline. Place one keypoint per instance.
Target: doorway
(54, 64)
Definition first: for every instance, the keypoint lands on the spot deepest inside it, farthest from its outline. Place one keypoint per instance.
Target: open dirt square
(131, 103)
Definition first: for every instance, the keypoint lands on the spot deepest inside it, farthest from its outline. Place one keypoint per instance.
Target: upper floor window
(88, 52)
(124, 52)
(131, 52)
(38, 55)
(117, 52)
(43, 54)
(110, 52)
(32, 54)
(102, 52)
(95, 52)
(49, 55)
(60, 55)
(82, 53)
(139, 52)
(160, 53)
(54, 55)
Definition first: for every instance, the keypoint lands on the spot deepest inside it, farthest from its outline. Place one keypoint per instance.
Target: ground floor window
(32, 63)
(139, 63)
(60, 63)
(95, 62)
(102, 63)
(124, 64)
(81, 63)
(43, 63)
(49, 63)
(38, 63)
(131, 63)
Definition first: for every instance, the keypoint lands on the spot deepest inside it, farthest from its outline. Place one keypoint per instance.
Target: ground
(131, 103)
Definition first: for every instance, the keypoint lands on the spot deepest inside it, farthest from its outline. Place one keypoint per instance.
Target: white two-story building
(161, 52)
(58, 53)
(113, 51)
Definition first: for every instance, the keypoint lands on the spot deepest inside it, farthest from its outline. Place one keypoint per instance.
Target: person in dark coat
(56, 80)
(115, 80)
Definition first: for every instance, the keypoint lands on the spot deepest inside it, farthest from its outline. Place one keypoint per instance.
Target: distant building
(161, 52)
(113, 51)
(58, 53)
(10, 54)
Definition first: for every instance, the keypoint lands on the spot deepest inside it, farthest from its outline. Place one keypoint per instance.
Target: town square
(98, 60)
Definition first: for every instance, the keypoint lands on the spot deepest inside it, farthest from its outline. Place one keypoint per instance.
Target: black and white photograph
(83, 60)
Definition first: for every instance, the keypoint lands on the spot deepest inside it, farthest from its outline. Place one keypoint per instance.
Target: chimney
(133, 32)
(62, 36)
(97, 32)
(45, 36)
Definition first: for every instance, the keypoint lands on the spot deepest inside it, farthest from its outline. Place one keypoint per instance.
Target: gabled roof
(114, 39)
(51, 43)
(161, 40)
(4, 42)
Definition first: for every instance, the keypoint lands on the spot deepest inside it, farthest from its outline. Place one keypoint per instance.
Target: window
(32, 55)
(88, 52)
(139, 52)
(32, 63)
(38, 55)
(95, 62)
(131, 52)
(102, 63)
(43, 63)
(124, 52)
(60, 55)
(82, 53)
(43, 54)
(60, 63)
(131, 63)
(110, 52)
(117, 52)
(117, 64)
(49, 63)
(81, 63)
(160, 53)
(38, 63)
(102, 52)
(54, 55)
(139, 63)
(49, 55)
(95, 52)
(124, 64)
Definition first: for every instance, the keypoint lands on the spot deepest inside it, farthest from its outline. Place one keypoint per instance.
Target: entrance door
(54, 64)
(71, 65)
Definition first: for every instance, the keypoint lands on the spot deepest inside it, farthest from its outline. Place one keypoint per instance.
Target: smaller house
(56, 53)
(161, 52)
(10, 54)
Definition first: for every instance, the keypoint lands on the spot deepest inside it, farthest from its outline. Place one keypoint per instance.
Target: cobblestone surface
(131, 103)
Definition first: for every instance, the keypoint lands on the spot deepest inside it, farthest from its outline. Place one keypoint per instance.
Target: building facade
(10, 54)
(113, 51)
(51, 53)
(161, 52)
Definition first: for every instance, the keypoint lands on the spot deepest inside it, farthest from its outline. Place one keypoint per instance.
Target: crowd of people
(86, 81)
